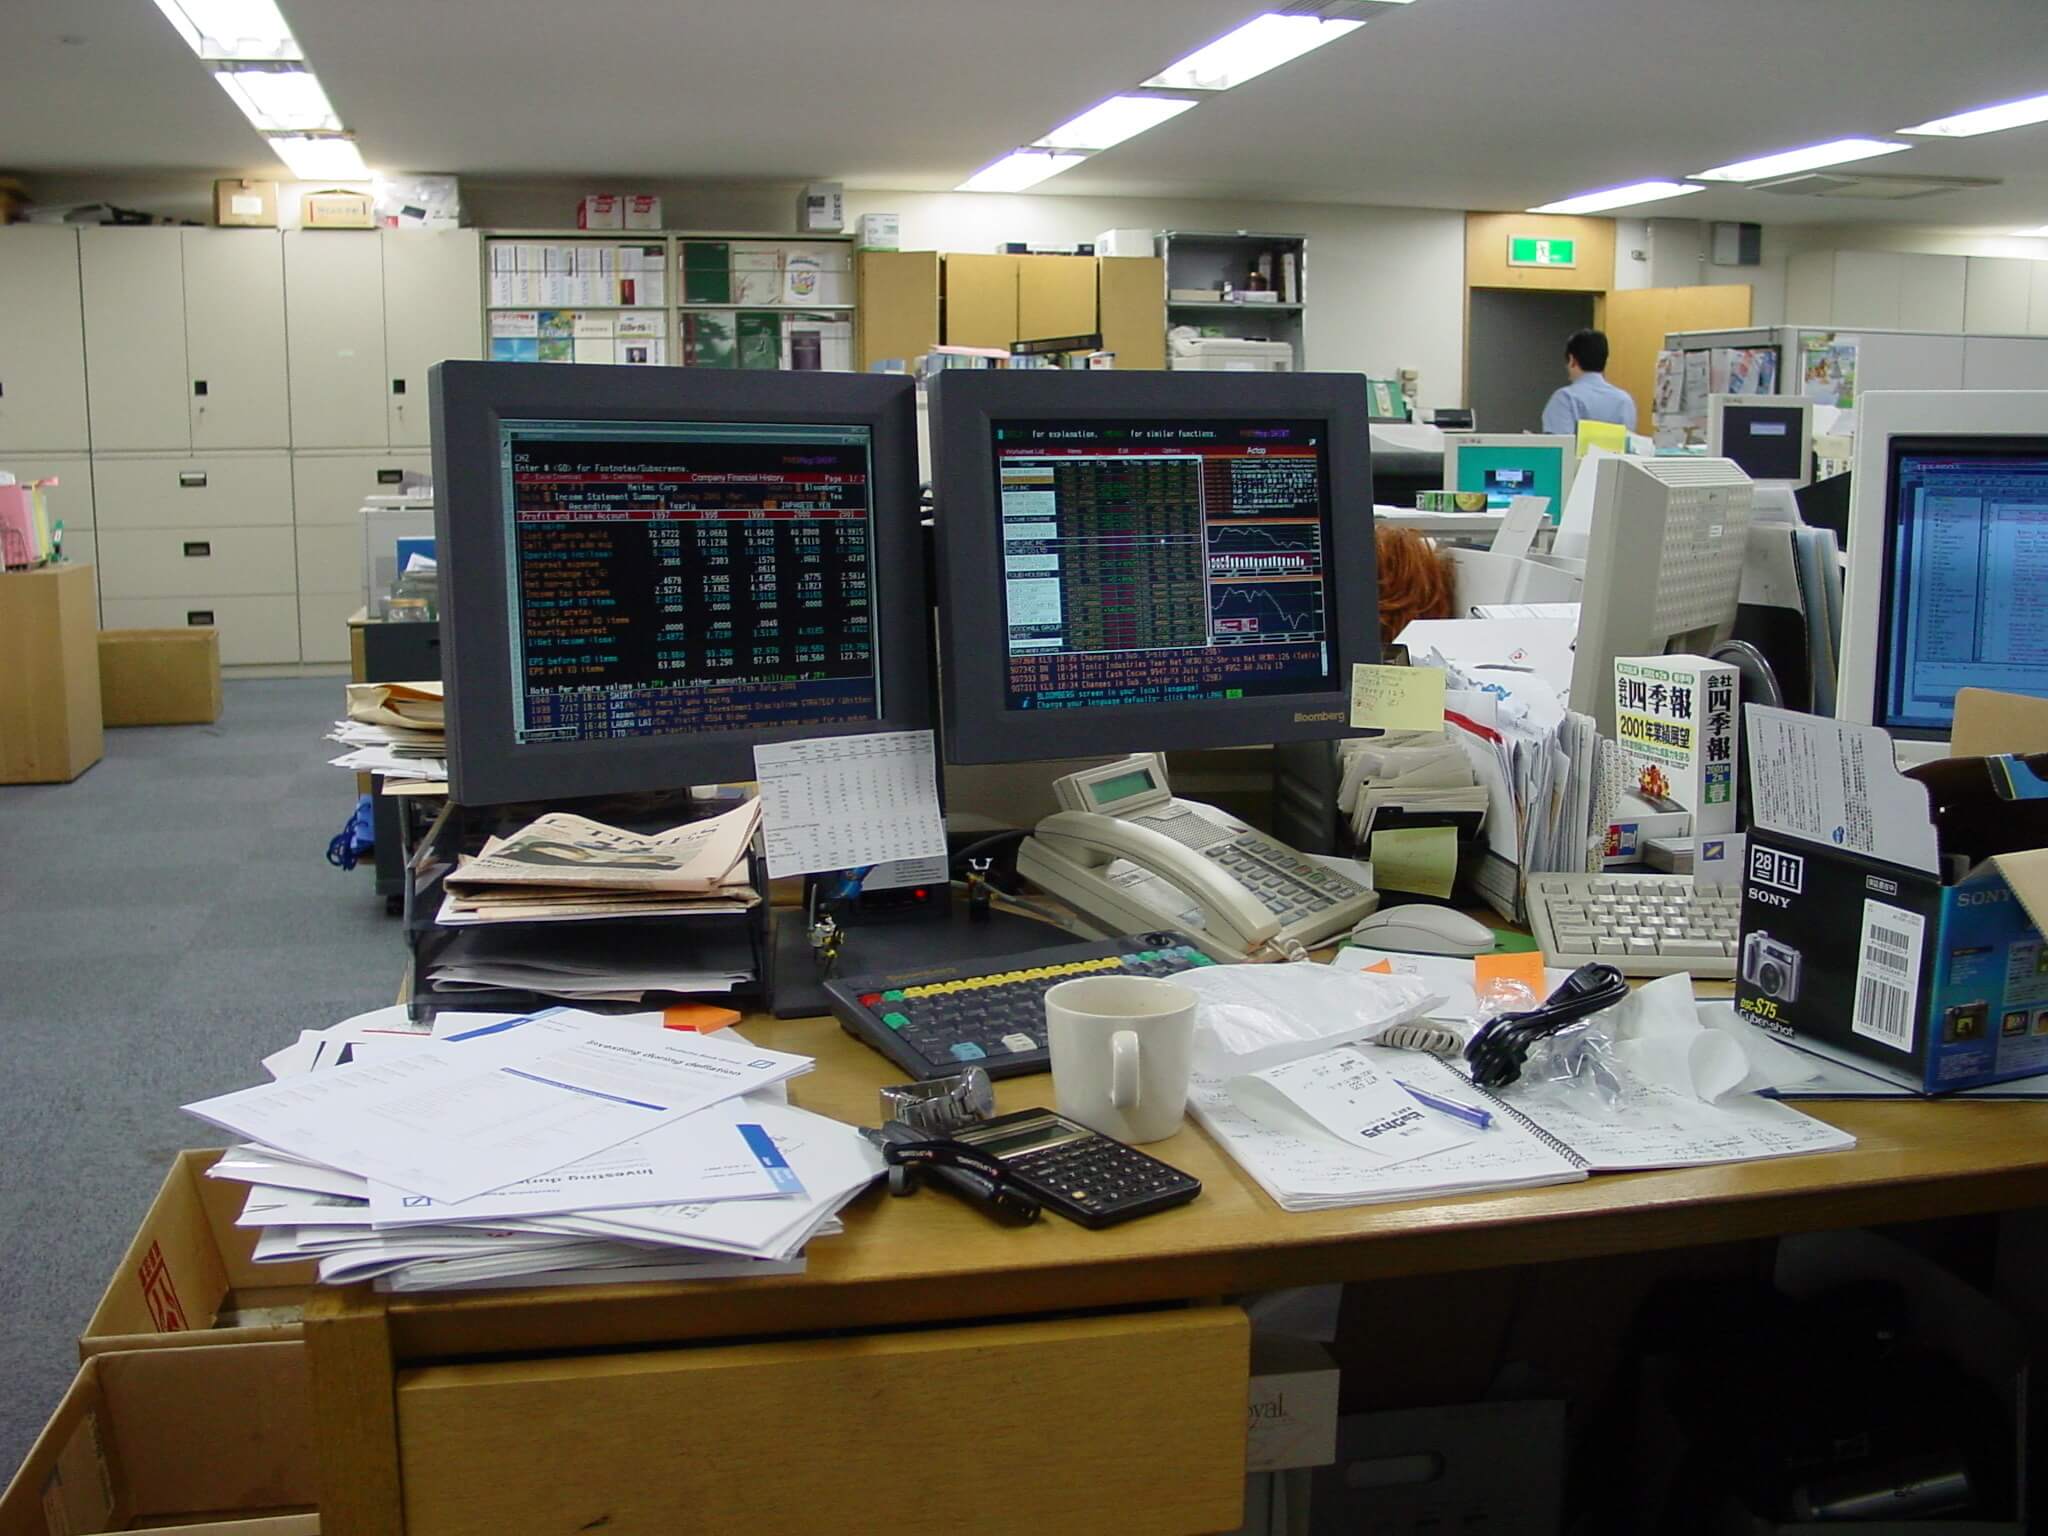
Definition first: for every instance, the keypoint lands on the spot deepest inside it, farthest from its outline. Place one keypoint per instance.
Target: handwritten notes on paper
(1397, 698)
(1423, 860)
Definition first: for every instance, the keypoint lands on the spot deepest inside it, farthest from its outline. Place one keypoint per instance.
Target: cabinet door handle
(398, 386)
(199, 388)
(391, 477)
(191, 479)
(200, 616)
(197, 549)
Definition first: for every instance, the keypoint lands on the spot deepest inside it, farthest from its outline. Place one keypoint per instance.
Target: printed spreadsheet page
(845, 802)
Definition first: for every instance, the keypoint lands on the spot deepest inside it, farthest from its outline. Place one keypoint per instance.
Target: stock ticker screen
(669, 577)
(1164, 562)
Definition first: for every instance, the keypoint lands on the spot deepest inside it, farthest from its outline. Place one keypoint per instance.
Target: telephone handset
(1131, 857)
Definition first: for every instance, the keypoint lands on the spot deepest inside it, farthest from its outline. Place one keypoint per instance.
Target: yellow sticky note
(1422, 860)
(1610, 435)
(1397, 698)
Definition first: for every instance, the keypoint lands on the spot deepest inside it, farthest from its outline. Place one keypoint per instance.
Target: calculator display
(1013, 1140)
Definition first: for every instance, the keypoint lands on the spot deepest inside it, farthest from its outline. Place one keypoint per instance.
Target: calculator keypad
(1105, 1179)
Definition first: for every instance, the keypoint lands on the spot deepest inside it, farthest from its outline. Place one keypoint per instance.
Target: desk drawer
(253, 630)
(1131, 1425)
(198, 561)
(188, 491)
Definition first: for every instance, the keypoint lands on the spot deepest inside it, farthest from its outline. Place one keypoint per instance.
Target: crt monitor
(1770, 436)
(1663, 567)
(646, 571)
(1146, 561)
(1507, 465)
(1948, 558)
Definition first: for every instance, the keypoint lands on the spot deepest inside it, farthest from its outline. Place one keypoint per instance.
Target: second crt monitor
(1507, 465)
(1770, 436)
(1146, 561)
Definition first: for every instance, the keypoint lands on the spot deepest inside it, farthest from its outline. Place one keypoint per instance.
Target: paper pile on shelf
(1408, 779)
(597, 963)
(398, 730)
(562, 867)
(1538, 761)
(556, 1148)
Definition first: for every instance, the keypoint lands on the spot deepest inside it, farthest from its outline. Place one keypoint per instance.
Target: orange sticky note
(1382, 967)
(1526, 967)
(701, 1017)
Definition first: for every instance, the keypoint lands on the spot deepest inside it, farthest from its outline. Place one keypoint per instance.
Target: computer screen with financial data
(1965, 595)
(672, 577)
(644, 576)
(1151, 562)
(1145, 562)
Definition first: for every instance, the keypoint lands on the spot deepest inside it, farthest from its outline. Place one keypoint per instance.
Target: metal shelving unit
(1216, 259)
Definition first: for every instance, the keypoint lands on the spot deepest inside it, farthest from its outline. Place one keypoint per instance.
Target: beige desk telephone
(1130, 857)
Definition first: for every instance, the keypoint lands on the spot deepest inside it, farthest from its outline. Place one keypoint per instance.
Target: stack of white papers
(391, 751)
(1407, 779)
(557, 1148)
(587, 963)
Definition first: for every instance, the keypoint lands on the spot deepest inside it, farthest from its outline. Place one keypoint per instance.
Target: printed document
(844, 802)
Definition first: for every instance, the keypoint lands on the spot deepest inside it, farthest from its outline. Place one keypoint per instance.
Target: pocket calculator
(1087, 1177)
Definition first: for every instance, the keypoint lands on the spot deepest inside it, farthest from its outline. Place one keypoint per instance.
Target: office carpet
(165, 920)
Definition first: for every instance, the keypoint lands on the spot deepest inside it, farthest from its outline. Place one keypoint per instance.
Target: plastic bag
(1250, 1017)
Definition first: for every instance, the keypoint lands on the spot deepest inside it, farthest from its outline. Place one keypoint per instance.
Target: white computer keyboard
(1643, 925)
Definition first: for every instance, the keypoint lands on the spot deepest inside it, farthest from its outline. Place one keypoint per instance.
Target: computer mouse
(1418, 929)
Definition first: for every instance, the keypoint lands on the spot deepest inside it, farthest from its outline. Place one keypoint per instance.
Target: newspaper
(561, 850)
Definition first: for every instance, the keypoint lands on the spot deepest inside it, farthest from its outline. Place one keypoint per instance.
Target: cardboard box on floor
(188, 1278)
(159, 676)
(213, 1442)
(1880, 964)
(49, 675)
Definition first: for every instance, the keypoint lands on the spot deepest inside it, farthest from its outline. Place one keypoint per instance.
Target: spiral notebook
(1518, 1151)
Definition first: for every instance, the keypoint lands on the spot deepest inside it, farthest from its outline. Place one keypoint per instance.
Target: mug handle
(1123, 1069)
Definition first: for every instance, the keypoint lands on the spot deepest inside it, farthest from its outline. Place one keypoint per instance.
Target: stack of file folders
(556, 1148)
(398, 730)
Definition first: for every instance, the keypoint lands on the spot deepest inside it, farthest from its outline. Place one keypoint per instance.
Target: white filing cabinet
(42, 352)
(329, 490)
(431, 312)
(185, 536)
(134, 292)
(234, 338)
(69, 500)
(334, 301)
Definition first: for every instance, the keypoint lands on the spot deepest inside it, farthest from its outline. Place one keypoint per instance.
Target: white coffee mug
(1121, 1049)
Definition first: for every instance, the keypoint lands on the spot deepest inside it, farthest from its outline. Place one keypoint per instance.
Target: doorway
(1514, 355)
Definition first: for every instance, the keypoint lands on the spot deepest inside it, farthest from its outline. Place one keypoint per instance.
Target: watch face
(1012, 1136)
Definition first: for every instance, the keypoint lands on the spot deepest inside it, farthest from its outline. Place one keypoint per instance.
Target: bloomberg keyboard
(989, 1013)
(1642, 924)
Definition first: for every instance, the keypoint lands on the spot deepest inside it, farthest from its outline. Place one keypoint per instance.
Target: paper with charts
(845, 802)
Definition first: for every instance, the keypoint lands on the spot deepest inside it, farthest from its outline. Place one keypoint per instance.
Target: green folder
(707, 272)
(708, 341)
(760, 337)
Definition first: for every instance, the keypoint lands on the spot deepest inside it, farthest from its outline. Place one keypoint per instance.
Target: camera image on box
(1770, 966)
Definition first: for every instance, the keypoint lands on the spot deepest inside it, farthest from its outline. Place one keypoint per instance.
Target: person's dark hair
(1588, 349)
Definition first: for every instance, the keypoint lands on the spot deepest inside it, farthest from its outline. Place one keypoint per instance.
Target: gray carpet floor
(165, 921)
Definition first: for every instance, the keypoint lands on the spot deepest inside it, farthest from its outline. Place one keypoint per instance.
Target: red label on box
(157, 1290)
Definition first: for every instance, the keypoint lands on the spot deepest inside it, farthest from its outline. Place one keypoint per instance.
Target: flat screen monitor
(1507, 465)
(1150, 561)
(645, 572)
(1770, 436)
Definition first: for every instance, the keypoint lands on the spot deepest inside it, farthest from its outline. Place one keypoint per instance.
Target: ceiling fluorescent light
(280, 100)
(1263, 43)
(1618, 197)
(320, 158)
(1965, 125)
(1812, 158)
(232, 29)
(1017, 170)
(1117, 119)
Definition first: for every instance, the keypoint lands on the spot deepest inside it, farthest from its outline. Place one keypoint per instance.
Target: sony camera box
(1856, 943)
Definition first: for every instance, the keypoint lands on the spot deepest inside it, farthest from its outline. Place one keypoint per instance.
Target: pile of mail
(398, 730)
(1408, 779)
(562, 867)
(548, 1149)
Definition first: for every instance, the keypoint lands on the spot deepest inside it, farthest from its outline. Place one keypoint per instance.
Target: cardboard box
(1291, 1409)
(49, 675)
(159, 676)
(880, 231)
(217, 1442)
(1853, 943)
(338, 209)
(245, 204)
(601, 210)
(1674, 718)
(1127, 242)
(190, 1277)
(642, 211)
(1492, 1467)
(821, 208)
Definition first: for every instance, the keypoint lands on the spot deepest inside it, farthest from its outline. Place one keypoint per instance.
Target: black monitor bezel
(1899, 447)
(469, 401)
(965, 403)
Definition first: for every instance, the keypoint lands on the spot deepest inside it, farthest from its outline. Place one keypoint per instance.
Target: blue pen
(1471, 1114)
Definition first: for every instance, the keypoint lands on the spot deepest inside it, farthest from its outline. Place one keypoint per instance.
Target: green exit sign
(1541, 251)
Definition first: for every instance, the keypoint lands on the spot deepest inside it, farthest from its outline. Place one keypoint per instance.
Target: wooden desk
(1146, 1380)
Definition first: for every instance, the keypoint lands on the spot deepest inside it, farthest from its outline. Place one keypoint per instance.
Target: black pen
(905, 1147)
